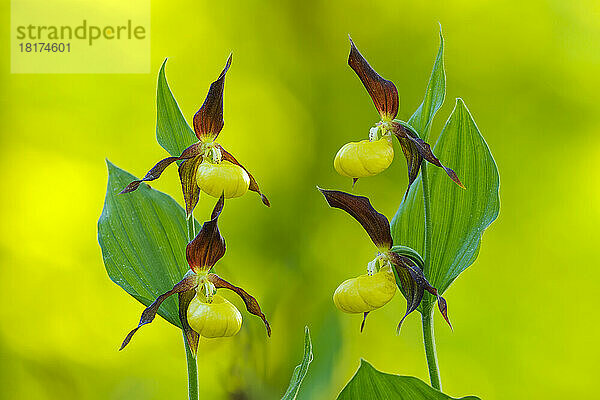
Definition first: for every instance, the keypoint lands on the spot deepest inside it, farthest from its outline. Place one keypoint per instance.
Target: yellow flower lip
(364, 158)
(365, 293)
(224, 177)
(218, 318)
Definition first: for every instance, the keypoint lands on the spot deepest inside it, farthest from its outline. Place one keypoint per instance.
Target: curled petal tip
(450, 172)
(443, 307)
(400, 325)
(362, 325)
(265, 200)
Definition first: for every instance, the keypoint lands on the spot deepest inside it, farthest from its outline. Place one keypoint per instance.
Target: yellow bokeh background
(525, 316)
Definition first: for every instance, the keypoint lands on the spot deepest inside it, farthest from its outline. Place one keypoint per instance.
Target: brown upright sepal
(360, 208)
(154, 173)
(208, 121)
(382, 91)
(208, 246)
(253, 185)
(188, 283)
(251, 303)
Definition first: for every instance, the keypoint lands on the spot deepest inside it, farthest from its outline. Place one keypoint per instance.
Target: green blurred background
(525, 315)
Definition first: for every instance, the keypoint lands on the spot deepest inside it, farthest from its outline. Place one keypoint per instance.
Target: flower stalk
(427, 313)
(192, 363)
(192, 370)
(430, 351)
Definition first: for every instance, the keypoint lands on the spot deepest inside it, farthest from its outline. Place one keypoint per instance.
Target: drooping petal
(442, 305)
(413, 284)
(411, 281)
(154, 173)
(424, 150)
(382, 91)
(251, 303)
(208, 121)
(192, 337)
(253, 185)
(413, 160)
(415, 150)
(208, 246)
(360, 208)
(189, 282)
(189, 184)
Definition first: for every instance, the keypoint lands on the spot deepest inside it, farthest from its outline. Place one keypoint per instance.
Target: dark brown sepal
(253, 185)
(192, 337)
(415, 150)
(360, 208)
(412, 281)
(442, 305)
(208, 121)
(208, 246)
(413, 160)
(189, 282)
(413, 284)
(362, 325)
(382, 91)
(154, 173)
(251, 303)
(189, 185)
(424, 150)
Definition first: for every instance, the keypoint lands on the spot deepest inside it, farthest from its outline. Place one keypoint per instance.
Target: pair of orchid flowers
(206, 166)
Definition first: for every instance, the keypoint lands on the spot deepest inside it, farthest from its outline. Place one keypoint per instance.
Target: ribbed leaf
(301, 370)
(172, 131)
(368, 383)
(458, 216)
(434, 96)
(143, 238)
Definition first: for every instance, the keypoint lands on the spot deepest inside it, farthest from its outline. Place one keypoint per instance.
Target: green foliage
(143, 238)
(172, 131)
(458, 216)
(301, 370)
(434, 96)
(368, 383)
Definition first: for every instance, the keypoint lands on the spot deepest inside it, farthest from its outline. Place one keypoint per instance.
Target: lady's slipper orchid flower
(373, 290)
(370, 157)
(206, 165)
(203, 312)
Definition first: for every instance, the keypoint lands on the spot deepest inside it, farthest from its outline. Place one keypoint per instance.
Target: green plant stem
(192, 366)
(430, 352)
(427, 314)
(427, 212)
(192, 369)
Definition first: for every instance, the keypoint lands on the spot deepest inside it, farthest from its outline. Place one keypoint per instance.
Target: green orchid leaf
(143, 236)
(368, 383)
(301, 370)
(434, 96)
(458, 217)
(172, 131)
